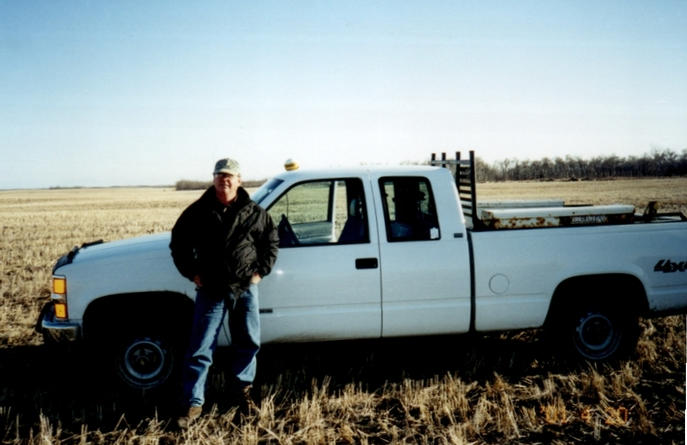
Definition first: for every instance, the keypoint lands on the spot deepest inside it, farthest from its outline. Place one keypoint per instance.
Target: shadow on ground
(69, 388)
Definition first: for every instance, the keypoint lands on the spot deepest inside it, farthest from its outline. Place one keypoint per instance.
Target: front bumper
(55, 331)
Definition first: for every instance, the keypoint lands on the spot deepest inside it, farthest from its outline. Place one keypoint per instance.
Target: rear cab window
(409, 209)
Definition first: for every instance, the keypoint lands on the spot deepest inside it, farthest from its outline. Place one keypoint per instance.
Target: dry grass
(500, 388)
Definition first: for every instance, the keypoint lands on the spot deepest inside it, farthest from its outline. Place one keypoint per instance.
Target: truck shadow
(373, 364)
(60, 384)
(69, 388)
(376, 362)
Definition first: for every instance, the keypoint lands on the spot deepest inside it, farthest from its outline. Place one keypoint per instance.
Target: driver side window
(321, 213)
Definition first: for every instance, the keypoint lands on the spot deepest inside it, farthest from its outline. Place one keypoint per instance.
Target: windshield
(260, 194)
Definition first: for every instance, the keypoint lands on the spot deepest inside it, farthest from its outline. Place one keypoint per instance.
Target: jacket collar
(209, 197)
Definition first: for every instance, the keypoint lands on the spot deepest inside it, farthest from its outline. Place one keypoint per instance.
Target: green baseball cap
(228, 166)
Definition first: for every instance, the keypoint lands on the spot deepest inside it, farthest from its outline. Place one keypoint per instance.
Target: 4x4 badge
(667, 266)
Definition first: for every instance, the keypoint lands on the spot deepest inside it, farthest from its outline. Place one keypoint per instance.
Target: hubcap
(595, 332)
(144, 361)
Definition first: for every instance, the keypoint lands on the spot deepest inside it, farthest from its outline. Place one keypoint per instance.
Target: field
(498, 388)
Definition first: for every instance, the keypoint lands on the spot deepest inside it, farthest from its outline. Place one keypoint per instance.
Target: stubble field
(498, 388)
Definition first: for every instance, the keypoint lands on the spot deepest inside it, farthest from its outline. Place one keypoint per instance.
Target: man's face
(226, 186)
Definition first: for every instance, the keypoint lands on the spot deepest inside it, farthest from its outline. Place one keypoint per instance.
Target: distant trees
(657, 163)
(186, 184)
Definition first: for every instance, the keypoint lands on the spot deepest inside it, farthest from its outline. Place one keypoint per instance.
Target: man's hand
(256, 278)
(198, 281)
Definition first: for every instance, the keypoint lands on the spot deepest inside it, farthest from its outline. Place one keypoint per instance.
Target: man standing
(225, 244)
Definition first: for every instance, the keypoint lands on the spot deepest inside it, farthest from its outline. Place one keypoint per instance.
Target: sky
(100, 93)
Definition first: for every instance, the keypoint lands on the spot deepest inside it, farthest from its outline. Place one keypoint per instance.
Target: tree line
(657, 163)
(187, 184)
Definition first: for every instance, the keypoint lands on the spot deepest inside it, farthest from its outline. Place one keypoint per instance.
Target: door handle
(366, 263)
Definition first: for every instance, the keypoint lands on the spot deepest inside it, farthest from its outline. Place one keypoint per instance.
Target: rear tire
(601, 332)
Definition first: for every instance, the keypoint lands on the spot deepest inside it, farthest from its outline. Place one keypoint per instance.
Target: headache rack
(529, 214)
(465, 174)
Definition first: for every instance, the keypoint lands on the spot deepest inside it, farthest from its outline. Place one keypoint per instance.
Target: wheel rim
(146, 363)
(596, 336)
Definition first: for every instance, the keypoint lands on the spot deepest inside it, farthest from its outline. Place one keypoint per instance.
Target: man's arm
(183, 251)
(267, 246)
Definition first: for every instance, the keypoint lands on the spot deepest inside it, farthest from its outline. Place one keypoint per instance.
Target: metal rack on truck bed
(529, 214)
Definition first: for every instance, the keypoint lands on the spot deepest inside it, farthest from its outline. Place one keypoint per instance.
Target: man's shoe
(193, 413)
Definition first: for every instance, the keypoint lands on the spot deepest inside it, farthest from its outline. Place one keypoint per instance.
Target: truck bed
(537, 213)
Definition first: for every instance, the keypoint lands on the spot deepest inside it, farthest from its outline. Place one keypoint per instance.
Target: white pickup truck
(370, 253)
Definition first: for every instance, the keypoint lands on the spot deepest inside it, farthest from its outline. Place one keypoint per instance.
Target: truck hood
(131, 266)
(149, 244)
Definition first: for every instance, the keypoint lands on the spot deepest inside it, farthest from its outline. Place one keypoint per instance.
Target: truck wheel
(146, 361)
(600, 333)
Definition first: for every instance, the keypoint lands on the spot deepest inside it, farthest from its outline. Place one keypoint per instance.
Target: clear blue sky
(97, 93)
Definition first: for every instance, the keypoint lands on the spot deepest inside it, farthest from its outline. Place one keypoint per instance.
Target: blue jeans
(244, 328)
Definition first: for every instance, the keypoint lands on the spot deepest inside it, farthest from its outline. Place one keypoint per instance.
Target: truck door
(424, 258)
(326, 281)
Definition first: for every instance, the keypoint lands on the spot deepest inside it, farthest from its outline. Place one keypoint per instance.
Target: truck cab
(361, 251)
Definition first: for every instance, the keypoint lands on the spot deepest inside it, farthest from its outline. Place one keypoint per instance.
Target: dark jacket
(224, 245)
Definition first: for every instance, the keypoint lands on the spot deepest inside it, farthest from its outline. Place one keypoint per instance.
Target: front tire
(146, 361)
